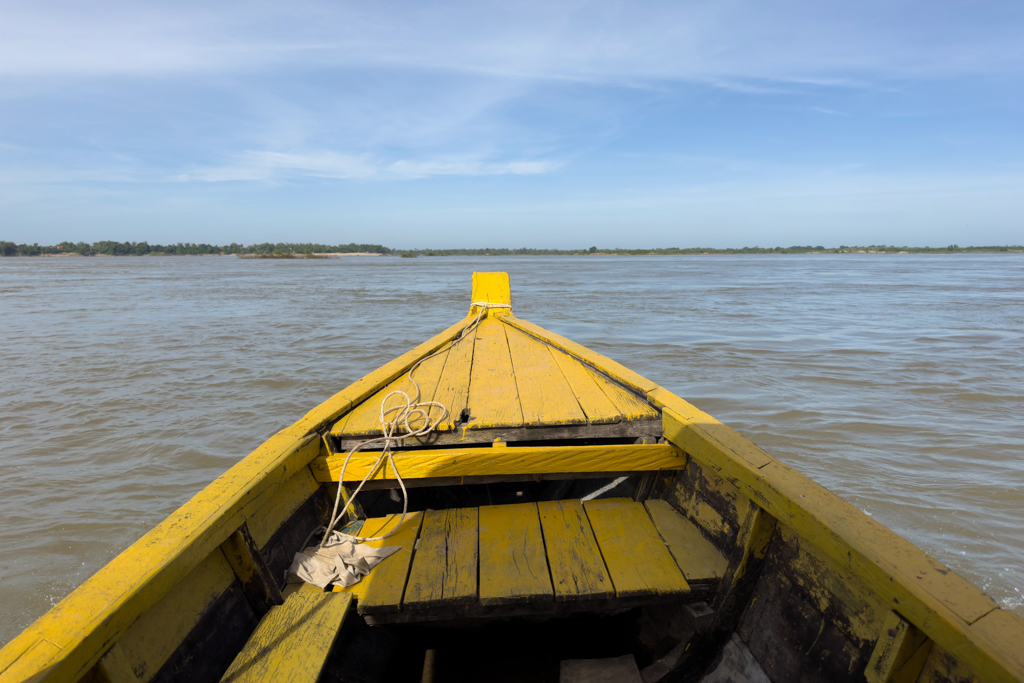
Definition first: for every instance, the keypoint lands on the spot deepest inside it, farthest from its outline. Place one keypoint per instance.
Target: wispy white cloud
(825, 110)
(262, 165)
(801, 41)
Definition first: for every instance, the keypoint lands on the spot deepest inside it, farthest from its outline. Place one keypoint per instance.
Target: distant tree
(593, 250)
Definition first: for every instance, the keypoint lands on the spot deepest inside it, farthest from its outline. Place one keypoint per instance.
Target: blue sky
(546, 124)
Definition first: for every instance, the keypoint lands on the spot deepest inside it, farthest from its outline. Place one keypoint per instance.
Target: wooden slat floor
(552, 557)
(507, 380)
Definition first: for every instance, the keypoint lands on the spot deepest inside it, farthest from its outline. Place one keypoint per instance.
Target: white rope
(604, 489)
(408, 409)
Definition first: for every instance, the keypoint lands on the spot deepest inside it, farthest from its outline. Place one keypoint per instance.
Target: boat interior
(567, 521)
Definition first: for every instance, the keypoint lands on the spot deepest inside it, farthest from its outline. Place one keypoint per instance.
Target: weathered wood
(545, 396)
(267, 520)
(381, 591)
(289, 537)
(713, 504)
(595, 403)
(113, 667)
(697, 557)
(745, 561)
(647, 429)
(637, 559)
(212, 644)
(82, 626)
(809, 617)
(293, 641)
(470, 614)
(487, 461)
(1003, 631)
(630, 406)
(513, 563)
(733, 593)
(617, 372)
(643, 489)
(151, 641)
(453, 385)
(577, 569)
(911, 671)
(493, 396)
(897, 643)
(920, 587)
(444, 567)
(494, 479)
(942, 666)
(247, 563)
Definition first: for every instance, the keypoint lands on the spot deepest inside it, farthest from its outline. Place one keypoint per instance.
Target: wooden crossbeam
(489, 461)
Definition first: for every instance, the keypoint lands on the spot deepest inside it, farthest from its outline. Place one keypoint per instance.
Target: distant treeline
(109, 248)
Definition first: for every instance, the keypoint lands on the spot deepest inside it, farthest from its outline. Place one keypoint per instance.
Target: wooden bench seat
(292, 641)
(554, 557)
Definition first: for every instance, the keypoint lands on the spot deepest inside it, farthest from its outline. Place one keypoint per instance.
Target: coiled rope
(409, 409)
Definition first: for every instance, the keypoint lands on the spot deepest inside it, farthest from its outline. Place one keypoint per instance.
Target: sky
(537, 124)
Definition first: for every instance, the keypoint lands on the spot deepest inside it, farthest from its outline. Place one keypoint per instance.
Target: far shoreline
(300, 251)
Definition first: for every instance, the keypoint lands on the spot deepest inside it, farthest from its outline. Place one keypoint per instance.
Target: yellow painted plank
(637, 559)
(630, 406)
(364, 419)
(896, 644)
(259, 586)
(925, 592)
(381, 591)
(21, 668)
(453, 385)
(829, 586)
(910, 672)
(513, 565)
(945, 667)
(1002, 631)
(465, 462)
(444, 567)
(113, 667)
(619, 373)
(493, 396)
(705, 436)
(83, 625)
(545, 396)
(696, 556)
(151, 640)
(598, 408)
(292, 641)
(577, 570)
(492, 288)
(268, 519)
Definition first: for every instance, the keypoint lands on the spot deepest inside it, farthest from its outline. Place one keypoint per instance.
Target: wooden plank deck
(577, 569)
(507, 379)
(554, 557)
(513, 562)
(293, 641)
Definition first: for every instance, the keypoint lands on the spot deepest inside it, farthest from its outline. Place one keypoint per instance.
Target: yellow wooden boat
(566, 516)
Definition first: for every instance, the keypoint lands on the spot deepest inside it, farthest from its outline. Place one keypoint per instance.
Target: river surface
(896, 381)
